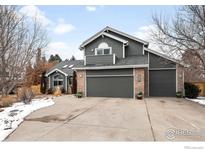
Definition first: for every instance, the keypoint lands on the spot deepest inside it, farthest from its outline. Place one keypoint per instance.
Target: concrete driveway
(113, 119)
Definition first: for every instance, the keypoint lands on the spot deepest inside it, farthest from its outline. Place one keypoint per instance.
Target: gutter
(110, 67)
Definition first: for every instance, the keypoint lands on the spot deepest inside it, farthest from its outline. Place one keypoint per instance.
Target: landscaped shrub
(57, 91)
(139, 95)
(36, 89)
(79, 94)
(179, 94)
(7, 101)
(50, 91)
(62, 90)
(26, 95)
(191, 90)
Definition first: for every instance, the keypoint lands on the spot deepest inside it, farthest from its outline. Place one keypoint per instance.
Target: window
(58, 76)
(58, 80)
(70, 81)
(106, 51)
(65, 66)
(99, 51)
(103, 51)
(58, 83)
(71, 66)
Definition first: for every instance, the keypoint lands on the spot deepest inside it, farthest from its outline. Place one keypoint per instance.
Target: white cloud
(34, 12)
(62, 27)
(64, 50)
(144, 33)
(91, 8)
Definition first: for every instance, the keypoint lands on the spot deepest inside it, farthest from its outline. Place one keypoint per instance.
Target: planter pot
(179, 96)
(139, 97)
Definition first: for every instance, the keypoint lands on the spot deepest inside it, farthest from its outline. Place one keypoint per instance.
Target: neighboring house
(61, 75)
(120, 65)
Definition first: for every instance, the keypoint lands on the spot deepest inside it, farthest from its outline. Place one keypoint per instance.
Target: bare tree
(20, 38)
(194, 73)
(185, 32)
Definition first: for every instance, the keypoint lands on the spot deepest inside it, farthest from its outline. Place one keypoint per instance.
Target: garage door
(162, 82)
(116, 83)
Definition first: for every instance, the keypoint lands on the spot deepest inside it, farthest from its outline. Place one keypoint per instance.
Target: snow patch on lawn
(200, 100)
(13, 116)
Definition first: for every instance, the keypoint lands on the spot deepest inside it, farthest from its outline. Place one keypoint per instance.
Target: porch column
(66, 83)
(49, 82)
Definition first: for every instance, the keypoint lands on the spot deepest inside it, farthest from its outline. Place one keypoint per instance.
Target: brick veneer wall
(81, 77)
(139, 79)
(180, 78)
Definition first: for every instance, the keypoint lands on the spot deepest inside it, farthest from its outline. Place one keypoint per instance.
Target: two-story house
(117, 64)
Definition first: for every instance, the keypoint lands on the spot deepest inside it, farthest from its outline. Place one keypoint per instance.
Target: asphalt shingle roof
(131, 60)
(67, 70)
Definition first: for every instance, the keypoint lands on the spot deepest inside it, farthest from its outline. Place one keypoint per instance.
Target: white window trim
(84, 60)
(123, 50)
(58, 79)
(103, 51)
(56, 70)
(114, 58)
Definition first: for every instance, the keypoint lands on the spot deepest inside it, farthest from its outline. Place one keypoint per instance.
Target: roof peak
(109, 28)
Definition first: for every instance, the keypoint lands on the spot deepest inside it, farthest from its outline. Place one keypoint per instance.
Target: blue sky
(68, 26)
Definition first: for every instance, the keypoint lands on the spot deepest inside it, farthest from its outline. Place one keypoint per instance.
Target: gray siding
(110, 87)
(110, 72)
(162, 83)
(99, 59)
(160, 62)
(52, 84)
(133, 49)
(117, 47)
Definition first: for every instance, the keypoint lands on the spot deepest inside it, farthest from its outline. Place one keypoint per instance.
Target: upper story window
(103, 49)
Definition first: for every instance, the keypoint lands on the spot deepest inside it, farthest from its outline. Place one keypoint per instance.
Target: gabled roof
(67, 71)
(105, 32)
(161, 55)
(126, 35)
(102, 34)
(56, 70)
(165, 56)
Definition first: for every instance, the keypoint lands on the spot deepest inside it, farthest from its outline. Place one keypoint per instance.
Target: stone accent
(81, 77)
(180, 78)
(139, 79)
